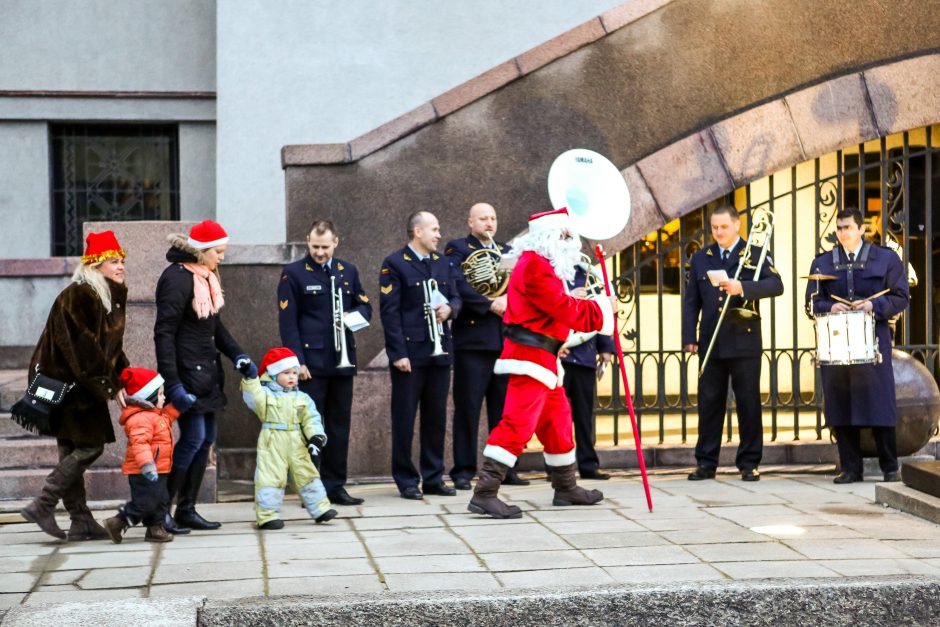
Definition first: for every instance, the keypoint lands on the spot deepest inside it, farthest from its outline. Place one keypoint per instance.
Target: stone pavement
(788, 525)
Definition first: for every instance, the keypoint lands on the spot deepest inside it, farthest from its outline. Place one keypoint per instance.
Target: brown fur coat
(83, 344)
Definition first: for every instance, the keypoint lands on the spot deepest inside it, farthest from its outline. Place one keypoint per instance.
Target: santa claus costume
(540, 315)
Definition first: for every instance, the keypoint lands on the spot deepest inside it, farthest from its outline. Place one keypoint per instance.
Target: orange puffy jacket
(149, 437)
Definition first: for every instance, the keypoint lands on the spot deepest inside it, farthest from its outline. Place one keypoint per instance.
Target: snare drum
(845, 338)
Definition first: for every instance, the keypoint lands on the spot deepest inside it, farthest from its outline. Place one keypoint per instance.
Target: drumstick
(849, 302)
(881, 293)
(840, 299)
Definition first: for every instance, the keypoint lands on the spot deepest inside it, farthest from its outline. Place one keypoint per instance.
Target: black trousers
(425, 387)
(333, 398)
(474, 382)
(580, 387)
(744, 373)
(148, 500)
(848, 439)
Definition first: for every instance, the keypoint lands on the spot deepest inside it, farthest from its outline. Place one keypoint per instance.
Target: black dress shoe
(512, 478)
(192, 519)
(597, 475)
(701, 473)
(462, 483)
(751, 474)
(412, 493)
(439, 489)
(847, 477)
(277, 523)
(170, 525)
(341, 497)
(892, 477)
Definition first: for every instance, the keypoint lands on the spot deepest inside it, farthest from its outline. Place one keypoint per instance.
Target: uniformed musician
(306, 321)
(860, 395)
(581, 363)
(411, 280)
(737, 351)
(478, 341)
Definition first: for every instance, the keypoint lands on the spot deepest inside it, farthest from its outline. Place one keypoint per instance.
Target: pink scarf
(207, 293)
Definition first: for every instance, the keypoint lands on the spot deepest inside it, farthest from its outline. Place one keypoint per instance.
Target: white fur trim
(282, 365)
(550, 222)
(499, 454)
(517, 366)
(607, 311)
(205, 245)
(152, 386)
(560, 459)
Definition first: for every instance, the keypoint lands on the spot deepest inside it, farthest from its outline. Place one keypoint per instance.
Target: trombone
(762, 227)
(339, 329)
(435, 328)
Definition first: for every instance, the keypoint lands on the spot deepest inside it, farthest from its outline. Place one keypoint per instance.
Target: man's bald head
(482, 222)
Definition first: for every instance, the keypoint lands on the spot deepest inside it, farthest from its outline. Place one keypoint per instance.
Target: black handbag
(33, 411)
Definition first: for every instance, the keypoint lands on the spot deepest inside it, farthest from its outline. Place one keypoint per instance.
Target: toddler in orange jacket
(149, 427)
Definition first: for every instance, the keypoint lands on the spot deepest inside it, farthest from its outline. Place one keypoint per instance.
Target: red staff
(599, 251)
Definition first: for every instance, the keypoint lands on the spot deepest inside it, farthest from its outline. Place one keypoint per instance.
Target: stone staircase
(26, 458)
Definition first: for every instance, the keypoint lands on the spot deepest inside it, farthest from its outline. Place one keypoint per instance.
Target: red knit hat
(140, 382)
(548, 220)
(207, 234)
(101, 246)
(277, 360)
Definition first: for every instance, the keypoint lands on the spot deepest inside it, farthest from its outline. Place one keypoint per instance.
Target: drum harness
(850, 267)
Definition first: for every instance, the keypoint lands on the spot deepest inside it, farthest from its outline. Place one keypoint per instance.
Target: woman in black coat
(82, 344)
(189, 336)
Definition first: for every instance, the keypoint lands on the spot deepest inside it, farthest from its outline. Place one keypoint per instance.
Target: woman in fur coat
(82, 343)
(189, 336)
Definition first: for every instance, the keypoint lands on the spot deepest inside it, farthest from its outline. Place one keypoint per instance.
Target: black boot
(174, 485)
(513, 478)
(485, 501)
(186, 514)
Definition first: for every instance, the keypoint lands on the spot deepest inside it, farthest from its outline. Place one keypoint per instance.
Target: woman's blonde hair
(88, 274)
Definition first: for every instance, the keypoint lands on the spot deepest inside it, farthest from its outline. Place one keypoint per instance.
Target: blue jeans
(197, 433)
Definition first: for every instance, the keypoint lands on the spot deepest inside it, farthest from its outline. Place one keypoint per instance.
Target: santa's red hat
(141, 383)
(207, 234)
(277, 360)
(549, 221)
(101, 246)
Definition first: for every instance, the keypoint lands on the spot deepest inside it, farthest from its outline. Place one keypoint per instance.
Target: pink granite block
(906, 94)
(832, 115)
(685, 175)
(146, 244)
(476, 88)
(48, 266)
(628, 12)
(644, 214)
(391, 131)
(559, 46)
(758, 142)
(314, 154)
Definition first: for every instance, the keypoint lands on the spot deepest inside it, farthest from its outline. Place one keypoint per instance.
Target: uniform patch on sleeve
(284, 304)
(387, 289)
(385, 271)
(449, 250)
(365, 298)
(284, 277)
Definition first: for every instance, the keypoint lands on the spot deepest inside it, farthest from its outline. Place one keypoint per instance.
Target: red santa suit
(538, 302)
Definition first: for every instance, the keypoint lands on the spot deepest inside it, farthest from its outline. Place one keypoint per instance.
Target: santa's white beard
(564, 254)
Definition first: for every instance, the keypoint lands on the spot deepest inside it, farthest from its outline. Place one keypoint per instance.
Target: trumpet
(339, 329)
(435, 328)
(762, 227)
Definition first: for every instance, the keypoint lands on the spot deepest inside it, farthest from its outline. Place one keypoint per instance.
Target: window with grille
(111, 172)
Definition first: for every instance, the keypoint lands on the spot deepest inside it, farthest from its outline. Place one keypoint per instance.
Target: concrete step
(12, 386)
(9, 428)
(101, 484)
(27, 451)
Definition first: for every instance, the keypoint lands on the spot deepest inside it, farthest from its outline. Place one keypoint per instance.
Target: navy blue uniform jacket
(305, 312)
(736, 338)
(862, 395)
(586, 354)
(401, 306)
(476, 328)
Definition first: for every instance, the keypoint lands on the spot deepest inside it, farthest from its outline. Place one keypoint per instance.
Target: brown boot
(84, 526)
(116, 526)
(156, 533)
(42, 510)
(484, 501)
(567, 491)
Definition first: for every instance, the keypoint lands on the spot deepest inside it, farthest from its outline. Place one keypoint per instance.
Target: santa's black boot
(567, 491)
(484, 501)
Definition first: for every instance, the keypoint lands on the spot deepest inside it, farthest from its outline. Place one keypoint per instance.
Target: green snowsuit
(287, 418)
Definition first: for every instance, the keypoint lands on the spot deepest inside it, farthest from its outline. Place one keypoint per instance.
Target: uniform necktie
(426, 262)
(326, 269)
(724, 255)
(851, 257)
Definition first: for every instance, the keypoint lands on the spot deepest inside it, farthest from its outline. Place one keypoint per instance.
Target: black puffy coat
(188, 346)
